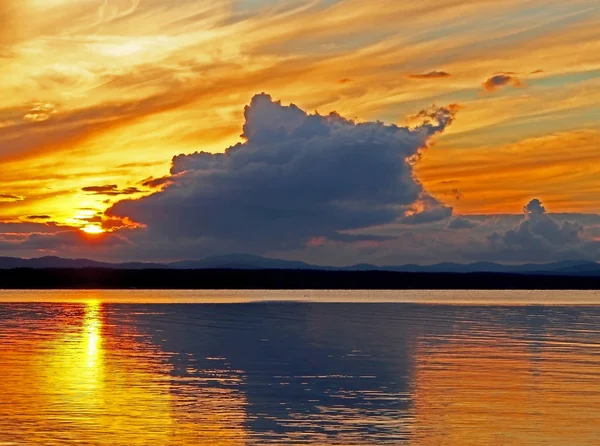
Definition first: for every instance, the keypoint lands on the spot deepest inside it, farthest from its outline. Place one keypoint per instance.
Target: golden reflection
(491, 388)
(92, 326)
(73, 376)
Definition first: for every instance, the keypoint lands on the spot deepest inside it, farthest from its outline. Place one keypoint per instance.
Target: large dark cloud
(297, 176)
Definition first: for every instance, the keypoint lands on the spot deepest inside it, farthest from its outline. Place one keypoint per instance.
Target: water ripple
(94, 372)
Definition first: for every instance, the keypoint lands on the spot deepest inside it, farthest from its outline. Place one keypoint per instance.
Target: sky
(330, 131)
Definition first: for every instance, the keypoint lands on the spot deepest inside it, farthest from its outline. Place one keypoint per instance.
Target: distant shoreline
(272, 279)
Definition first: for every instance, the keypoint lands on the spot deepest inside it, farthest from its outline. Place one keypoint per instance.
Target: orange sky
(106, 92)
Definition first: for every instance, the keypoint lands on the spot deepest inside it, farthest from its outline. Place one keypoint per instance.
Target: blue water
(456, 368)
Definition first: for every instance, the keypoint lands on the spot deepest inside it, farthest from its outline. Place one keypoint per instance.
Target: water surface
(303, 367)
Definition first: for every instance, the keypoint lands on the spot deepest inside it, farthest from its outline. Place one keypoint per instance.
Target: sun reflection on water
(92, 328)
(74, 373)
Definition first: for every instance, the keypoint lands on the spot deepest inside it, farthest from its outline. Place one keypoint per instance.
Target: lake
(299, 367)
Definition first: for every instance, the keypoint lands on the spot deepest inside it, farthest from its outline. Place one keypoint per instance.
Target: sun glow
(93, 229)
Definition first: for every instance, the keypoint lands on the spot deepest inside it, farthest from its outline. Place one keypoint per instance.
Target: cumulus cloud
(540, 237)
(465, 240)
(296, 177)
(501, 80)
(539, 229)
(430, 75)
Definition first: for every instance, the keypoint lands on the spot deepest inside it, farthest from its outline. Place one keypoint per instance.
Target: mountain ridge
(248, 261)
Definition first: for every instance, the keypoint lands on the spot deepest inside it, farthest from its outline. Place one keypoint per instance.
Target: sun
(93, 229)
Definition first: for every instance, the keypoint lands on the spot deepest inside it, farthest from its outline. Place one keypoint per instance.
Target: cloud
(538, 229)
(428, 216)
(110, 189)
(10, 198)
(455, 193)
(156, 182)
(40, 112)
(540, 237)
(430, 75)
(38, 217)
(70, 239)
(461, 223)
(26, 239)
(24, 228)
(111, 10)
(427, 210)
(501, 80)
(534, 207)
(295, 178)
(461, 239)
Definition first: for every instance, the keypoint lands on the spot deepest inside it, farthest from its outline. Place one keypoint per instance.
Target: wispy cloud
(10, 197)
(111, 189)
(431, 75)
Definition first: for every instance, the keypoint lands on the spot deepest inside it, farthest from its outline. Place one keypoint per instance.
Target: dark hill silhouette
(252, 262)
(99, 278)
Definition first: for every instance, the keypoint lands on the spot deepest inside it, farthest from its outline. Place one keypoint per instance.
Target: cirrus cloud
(430, 75)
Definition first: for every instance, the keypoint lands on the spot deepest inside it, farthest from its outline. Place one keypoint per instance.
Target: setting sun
(93, 229)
